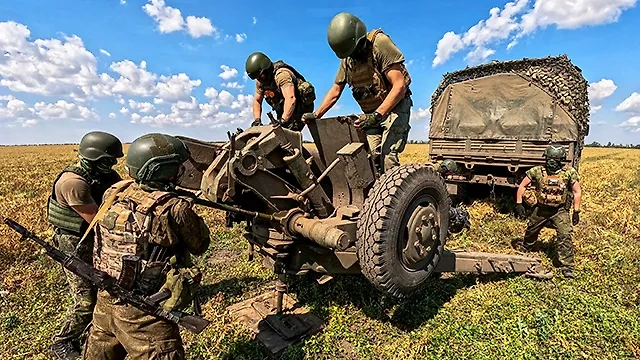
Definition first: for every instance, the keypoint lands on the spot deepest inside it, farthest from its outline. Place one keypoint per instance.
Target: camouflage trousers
(83, 294)
(558, 219)
(389, 140)
(119, 329)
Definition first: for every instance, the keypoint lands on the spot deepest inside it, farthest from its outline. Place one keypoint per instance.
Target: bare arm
(577, 196)
(289, 101)
(398, 89)
(88, 212)
(257, 104)
(522, 188)
(330, 99)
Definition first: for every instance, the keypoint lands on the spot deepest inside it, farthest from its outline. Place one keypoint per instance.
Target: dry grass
(594, 316)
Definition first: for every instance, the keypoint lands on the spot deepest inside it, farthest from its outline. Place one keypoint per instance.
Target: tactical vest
(64, 217)
(552, 190)
(368, 85)
(304, 93)
(125, 229)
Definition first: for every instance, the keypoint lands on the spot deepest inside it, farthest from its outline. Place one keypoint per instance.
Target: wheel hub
(422, 234)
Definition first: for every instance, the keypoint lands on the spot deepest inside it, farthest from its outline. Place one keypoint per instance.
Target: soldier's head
(100, 150)
(156, 158)
(347, 36)
(259, 67)
(554, 155)
(448, 166)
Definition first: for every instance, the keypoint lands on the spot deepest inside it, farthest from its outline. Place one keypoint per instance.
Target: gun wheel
(403, 228)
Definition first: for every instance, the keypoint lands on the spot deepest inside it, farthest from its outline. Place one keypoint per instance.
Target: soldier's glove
(256, 122)
(575, 219)
(366, 121)
(520, 211)
(308, 117)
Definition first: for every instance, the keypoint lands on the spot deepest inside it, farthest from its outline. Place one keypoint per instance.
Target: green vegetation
(597, 315)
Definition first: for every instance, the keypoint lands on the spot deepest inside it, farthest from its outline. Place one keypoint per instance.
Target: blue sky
(176, 66)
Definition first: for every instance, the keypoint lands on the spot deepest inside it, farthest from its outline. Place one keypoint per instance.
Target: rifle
(103, 281)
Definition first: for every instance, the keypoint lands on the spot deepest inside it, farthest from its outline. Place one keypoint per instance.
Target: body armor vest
(304, 93)
(369, 86)
(64, 217)
(552, 190)
(125, 230)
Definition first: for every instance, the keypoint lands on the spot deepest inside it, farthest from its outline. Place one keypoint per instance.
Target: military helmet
(156, 157)
(450, 165)
(96, 145)
(257, 63)
(346, 31)
(555, 151)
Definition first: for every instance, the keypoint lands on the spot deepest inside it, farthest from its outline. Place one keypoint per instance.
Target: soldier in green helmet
(284, 89)
(374, 68)
(72, 205)
(146, 218)
(552, 184)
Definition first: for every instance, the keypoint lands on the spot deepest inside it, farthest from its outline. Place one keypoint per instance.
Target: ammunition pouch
(307, 93)
(529, 197)
(364, 92)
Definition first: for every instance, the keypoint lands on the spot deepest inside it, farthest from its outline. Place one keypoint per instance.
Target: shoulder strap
(152, 200)
(281, 64)
(118, 187)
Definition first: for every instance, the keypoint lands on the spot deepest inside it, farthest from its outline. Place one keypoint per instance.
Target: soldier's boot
(64, 350)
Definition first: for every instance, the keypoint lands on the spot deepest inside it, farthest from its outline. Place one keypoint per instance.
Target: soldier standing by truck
(76, 195)
(149, 220)
(552, 184)
(373, 66)
(284, 89)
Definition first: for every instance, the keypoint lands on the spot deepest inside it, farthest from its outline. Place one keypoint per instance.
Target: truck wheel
(402, 228)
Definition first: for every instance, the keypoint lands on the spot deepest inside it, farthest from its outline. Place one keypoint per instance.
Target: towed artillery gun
(322, 208)
(495, 120)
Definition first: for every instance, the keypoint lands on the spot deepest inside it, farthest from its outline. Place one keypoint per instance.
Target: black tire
(382, 227)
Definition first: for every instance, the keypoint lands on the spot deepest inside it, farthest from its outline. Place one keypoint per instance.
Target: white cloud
(241, 37)
(630, 104)
(228, 72)
(599, 91)
(29, 123)
(518, 18)
(112, 115)
(143, 107)
(420, 114)
(64, 110)
(176, 87)
(255, 20)
(199, 26)
(633, 124)
(124, 110)
(122, 2)
(121, 101)
(50, 67)
(232, 85)
(169, 19)
(211, 93)
(105, 52)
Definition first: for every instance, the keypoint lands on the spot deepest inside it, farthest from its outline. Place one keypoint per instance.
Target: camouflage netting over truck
(557, 76)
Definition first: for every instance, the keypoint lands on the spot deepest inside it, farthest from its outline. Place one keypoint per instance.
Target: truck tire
(396, 199)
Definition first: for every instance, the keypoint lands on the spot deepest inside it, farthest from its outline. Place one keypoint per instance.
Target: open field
(597, 315)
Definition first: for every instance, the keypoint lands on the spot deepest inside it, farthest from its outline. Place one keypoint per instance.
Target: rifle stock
(106, 282)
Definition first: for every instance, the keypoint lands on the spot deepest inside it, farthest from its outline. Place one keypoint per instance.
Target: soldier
(148, 219)
(552, 183)
(374, 68)
(285, 90)
(74, 200)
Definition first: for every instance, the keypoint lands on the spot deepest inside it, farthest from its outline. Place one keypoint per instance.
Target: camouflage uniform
(76, 186)
(552, 213)
(370, 87)
(284, 74)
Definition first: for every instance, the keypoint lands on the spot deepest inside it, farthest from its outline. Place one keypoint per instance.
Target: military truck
(495, 120)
